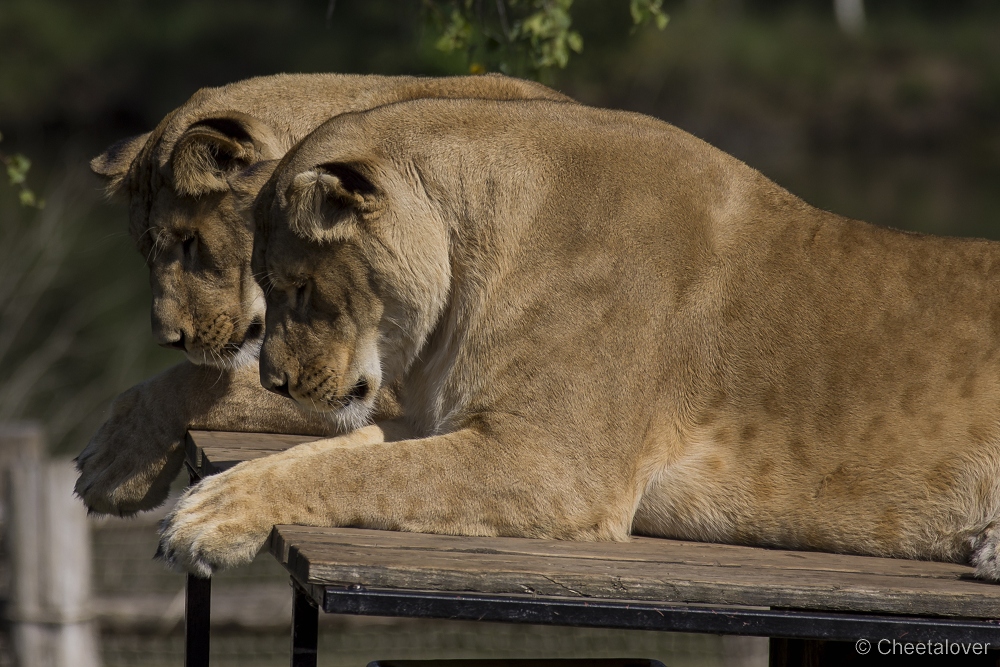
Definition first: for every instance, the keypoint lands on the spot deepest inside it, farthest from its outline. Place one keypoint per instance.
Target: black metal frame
(584, 612)
(198, 621)
(197, 612)
(305, 628)
(309, 599)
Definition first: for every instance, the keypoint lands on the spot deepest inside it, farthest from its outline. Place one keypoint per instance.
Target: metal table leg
(197, 616)
(198, 620)
(305, 628)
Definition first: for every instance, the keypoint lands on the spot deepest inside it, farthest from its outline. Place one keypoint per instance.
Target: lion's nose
(276, 382)
(275, 375)
(169, 328)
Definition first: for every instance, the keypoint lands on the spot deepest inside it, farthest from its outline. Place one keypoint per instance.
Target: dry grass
(73, 324)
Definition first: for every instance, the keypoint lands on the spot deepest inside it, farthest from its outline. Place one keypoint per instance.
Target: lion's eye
(298, 295)
(302, 295)
(187, 246)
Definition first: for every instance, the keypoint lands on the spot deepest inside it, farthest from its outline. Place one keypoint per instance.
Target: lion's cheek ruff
(412, 313)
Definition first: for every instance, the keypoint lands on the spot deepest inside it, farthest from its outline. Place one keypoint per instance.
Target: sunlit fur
(193, 179)
(194, 175)
(603, 325)
(131, 461)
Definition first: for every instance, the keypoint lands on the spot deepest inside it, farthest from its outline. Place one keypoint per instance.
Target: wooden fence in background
(47, 542)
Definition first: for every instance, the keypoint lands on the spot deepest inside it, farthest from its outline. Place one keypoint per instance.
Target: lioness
(189, 183)
(603, 325)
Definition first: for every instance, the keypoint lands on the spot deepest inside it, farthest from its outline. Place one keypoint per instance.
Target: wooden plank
(679, 583)
(229, 439)
(211, 452)
(495, 570)
(222, 459)
(642, 549)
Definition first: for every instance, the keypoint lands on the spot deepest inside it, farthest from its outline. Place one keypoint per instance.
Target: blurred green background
(898, 125)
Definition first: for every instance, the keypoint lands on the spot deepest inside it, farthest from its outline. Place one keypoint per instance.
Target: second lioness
(604, 325)
(189, 183)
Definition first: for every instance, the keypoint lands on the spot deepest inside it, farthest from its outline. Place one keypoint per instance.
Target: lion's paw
(218, 524)
(986, 554)
(128, 465)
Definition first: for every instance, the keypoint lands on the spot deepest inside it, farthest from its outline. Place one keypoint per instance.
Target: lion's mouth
(358, 393)
(254, 332)
(252, 338)
(232, 353)
(360, 390)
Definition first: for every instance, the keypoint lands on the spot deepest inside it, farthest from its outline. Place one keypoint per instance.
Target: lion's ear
(213, 149)
(114, 163)
(321, 198)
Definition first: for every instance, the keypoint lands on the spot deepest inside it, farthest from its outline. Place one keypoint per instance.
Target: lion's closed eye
(298, 295)
(189, 246)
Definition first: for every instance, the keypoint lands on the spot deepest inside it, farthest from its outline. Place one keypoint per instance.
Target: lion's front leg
(225, 520)
(460, 484)
(130, 462)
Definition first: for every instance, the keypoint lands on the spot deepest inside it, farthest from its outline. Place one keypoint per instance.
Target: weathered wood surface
(645, 569)
(210, 452)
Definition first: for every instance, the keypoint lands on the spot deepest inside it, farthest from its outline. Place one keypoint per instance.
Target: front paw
(220, 523)
(129, 464)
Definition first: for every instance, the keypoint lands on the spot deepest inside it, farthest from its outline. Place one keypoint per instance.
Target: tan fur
(189, 184)
(135, 455)
(602, 326)
(189, 181)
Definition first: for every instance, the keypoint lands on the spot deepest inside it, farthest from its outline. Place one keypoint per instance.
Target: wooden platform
(646, 569)
(649, 583)
(211, 452)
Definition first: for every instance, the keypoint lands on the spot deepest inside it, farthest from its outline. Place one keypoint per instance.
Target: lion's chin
(356, 414)
(349, 412)
(235, 354)
(231, 357)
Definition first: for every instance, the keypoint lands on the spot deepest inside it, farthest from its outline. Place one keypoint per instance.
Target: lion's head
(188, 218)
(354, 264)
(190, 183)
(376, 237)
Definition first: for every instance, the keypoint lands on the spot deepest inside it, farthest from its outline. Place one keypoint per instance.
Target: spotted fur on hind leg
(986, 553)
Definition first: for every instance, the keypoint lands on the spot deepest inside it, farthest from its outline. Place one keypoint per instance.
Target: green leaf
(548, 33)
(17, 168)
(644, 11)
(521, 37)
(457, 34)
(575, 41)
